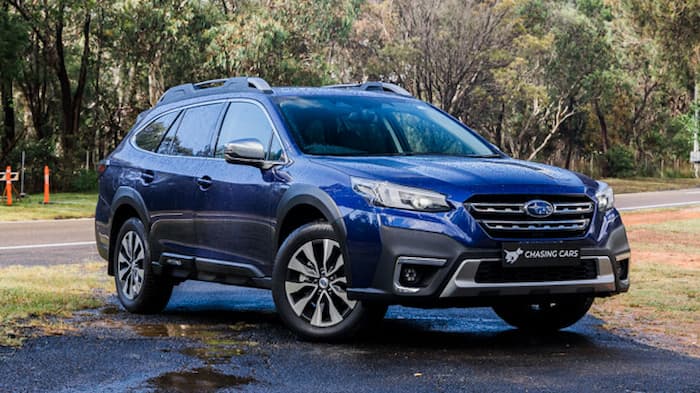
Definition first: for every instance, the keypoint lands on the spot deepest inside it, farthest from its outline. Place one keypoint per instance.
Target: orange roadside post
(8, 185)
(46, 185)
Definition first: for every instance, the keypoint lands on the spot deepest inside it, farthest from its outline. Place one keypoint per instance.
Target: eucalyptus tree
(676, 25)
(13, 37)
(285, 42)
(442, 51)
(63, 29)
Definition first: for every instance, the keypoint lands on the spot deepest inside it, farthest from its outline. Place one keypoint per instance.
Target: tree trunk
(603, 126)
(155, 79)
(696, 142)
(71, 103)
(569, 151)
(499, 126)
(8, 108)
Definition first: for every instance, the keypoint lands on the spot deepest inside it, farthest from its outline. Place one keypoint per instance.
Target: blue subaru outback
(346, 199)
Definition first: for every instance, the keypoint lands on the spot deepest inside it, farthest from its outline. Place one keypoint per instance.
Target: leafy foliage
(620, 161)
(576, 83)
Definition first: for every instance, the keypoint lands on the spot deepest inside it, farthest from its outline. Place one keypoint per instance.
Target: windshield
(364, 126)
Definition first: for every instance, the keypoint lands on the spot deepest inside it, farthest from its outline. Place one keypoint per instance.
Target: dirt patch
(648, 327)
(667, 257)
(680, 249)
(659, 216)
(645, 236)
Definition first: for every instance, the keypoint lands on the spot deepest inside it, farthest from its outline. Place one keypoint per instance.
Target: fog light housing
(623, 269)
(414, 273)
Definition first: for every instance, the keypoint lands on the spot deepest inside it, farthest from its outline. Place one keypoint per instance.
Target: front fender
(303, 194)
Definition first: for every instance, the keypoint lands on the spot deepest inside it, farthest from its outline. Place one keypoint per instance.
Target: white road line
(57, 221)
(659, 205)
(52, 245)
(693, 192)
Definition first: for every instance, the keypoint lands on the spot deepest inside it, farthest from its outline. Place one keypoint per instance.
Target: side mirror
(246, 152)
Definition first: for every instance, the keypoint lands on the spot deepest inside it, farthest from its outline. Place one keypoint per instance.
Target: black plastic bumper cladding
(398, 242)
(617, 245)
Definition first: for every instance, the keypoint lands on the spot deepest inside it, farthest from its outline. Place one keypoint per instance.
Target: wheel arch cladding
(127, 204)
(309, 199)
(303, 204)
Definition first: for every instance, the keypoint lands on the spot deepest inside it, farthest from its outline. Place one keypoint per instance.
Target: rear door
(169, 187)
(234, 220)
(153, 176)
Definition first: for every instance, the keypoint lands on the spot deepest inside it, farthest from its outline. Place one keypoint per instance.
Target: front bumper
(454, 270)
(463, 282)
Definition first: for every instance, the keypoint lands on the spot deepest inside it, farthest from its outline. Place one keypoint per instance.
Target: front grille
(505, 216)
(494, 272)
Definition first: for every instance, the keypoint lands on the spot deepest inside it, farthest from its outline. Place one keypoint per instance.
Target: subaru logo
(539, 208)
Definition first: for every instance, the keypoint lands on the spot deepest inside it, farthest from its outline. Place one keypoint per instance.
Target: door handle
(204, 182)
(148, 176)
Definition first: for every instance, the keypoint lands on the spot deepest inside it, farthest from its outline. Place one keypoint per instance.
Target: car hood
(459, 177)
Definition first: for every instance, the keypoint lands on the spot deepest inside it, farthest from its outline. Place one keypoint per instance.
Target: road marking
(659, 205)
(57, 221)
(693, 192)
(52, 245)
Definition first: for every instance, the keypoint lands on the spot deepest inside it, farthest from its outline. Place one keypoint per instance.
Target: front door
(235, 219)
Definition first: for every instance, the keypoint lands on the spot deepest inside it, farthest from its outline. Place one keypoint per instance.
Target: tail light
(102, 167)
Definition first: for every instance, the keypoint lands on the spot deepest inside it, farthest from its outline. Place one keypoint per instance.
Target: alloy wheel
(131, 265)
(316, 283)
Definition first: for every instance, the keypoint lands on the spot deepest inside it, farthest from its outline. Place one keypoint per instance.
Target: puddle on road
(219, 350)
(212, 343)
(201, 380)
(110, 310)
(219, 343)
(154, 330)
(195, 331)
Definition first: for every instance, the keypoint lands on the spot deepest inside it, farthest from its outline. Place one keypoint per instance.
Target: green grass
(691, 226)
(662, 306)
(664, 298)
(63, 205)
(667, 247)
(31, 297)
(665, 289)
(644, 184)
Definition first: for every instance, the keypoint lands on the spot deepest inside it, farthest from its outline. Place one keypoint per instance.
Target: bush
(38, 154)
(620, 162)
(84, 181)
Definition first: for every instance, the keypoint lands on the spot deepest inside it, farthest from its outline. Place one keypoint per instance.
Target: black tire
(548, 316)
(154, 292)
(304, 324)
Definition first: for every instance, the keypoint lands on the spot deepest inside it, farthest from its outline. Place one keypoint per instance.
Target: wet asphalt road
(216, 337)
(219, 338)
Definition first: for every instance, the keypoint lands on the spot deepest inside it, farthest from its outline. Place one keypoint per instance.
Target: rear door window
(194, 134)
(149, 138)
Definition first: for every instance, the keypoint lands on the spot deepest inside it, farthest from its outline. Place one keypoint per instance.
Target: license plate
(540, 254)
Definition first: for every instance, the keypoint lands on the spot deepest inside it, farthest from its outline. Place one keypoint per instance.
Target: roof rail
(215, 86)
(374, 86)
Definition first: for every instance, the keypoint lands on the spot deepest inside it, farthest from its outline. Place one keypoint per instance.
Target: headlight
(605, 197)
(400, 197)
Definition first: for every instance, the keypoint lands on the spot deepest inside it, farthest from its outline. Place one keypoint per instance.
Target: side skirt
(183, 267)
